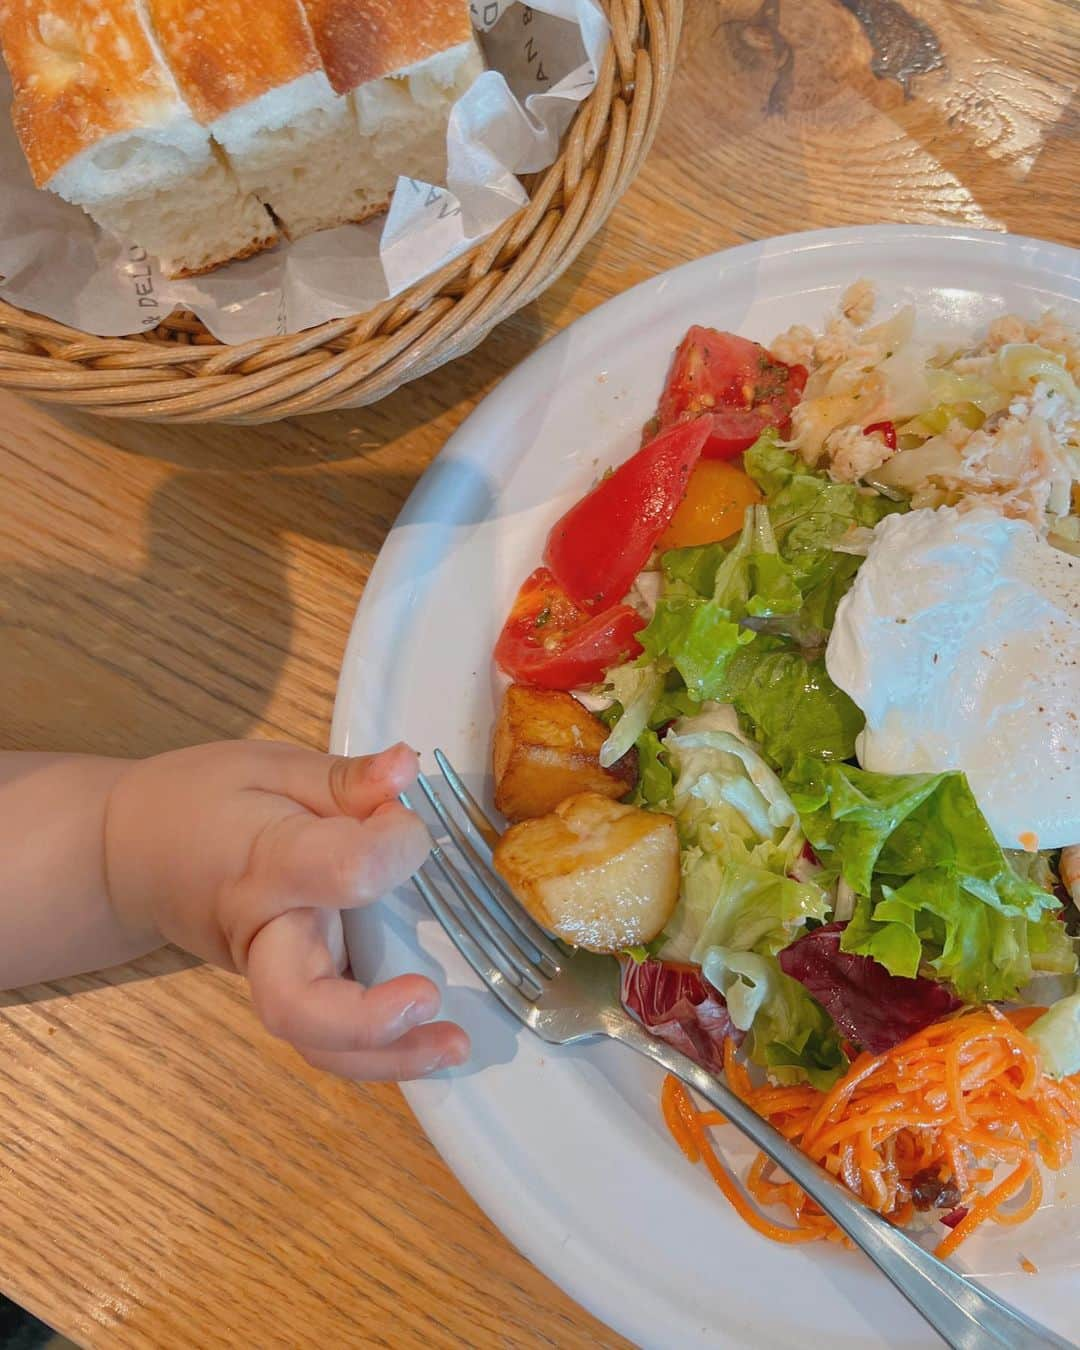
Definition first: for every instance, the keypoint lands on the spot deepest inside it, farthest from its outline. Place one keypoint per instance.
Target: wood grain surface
(169, 1175)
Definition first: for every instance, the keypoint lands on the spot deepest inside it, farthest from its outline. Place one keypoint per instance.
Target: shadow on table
(20, 1331)
(400, 919)
(189, 644)
(167, 961)
(352, 433)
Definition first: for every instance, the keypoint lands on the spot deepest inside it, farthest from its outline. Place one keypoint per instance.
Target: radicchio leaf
(872, 1008)
(677, 1005)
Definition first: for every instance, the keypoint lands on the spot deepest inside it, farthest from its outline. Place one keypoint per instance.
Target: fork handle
(965, 1315)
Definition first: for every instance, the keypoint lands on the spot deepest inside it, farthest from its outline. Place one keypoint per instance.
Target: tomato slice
(551, 643)
(597, 549)
(738, 382)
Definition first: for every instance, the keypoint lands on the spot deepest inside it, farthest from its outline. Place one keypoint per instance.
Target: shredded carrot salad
(926, 1125)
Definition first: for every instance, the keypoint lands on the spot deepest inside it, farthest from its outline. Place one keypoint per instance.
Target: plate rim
(508, 1214)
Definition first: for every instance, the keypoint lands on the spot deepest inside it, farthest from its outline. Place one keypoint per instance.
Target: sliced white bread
(404, 63)
(196, 129)
(103, 124)
(252, 74)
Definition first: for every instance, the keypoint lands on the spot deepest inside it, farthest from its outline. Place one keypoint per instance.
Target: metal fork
(565, 998)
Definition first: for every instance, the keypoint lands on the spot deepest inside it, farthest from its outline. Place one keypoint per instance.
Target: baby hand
(243, 853)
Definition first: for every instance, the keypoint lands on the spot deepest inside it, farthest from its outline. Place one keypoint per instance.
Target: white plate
(565, 1150)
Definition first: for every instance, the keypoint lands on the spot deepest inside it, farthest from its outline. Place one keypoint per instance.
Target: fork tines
(506, 947)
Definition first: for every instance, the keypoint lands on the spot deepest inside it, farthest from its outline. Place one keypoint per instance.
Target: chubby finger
(424, 1051)
(338, 863)
(300, 997)
(333, 785)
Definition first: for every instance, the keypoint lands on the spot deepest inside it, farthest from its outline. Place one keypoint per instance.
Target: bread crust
(82, 71)
(230, 52)
(362, 40)
(378, 209)
(256, 246)
(184, 72)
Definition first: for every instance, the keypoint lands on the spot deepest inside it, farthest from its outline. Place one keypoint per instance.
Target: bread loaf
(252, 75)
(403, 66)
(199, 130)
(103, 124)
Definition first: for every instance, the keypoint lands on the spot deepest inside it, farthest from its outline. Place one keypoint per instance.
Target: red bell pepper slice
(886, 430)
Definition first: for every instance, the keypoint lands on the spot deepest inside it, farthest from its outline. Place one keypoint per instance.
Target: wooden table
(169, 1175)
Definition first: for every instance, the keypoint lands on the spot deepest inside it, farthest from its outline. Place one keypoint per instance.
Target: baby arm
(241, 853)
(55, 915)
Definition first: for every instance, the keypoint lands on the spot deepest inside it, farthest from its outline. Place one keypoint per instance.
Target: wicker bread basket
(178, 372)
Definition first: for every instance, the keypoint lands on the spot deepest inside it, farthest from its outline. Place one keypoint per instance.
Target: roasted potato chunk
(547, 747)
(598, 874)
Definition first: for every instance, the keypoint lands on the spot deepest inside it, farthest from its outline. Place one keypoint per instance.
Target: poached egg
(960, 643)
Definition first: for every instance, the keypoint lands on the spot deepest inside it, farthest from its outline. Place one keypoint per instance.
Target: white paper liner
(543, 61)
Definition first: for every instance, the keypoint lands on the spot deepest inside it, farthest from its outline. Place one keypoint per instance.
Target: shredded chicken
(1023, 459)
(854, 455)
(1009, 328)
(801, 346)
(1049, 331)
(1056, 335)
(836, 343)
(859, 302)
(1018, 465)
(795, 347)
(1017, 468)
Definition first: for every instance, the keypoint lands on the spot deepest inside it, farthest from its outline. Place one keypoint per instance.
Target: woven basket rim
(180, 372)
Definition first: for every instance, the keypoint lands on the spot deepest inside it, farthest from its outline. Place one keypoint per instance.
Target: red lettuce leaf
(679, 1007)
(872, 1008)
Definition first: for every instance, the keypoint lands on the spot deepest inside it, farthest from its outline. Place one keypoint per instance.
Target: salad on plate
(793, 734)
